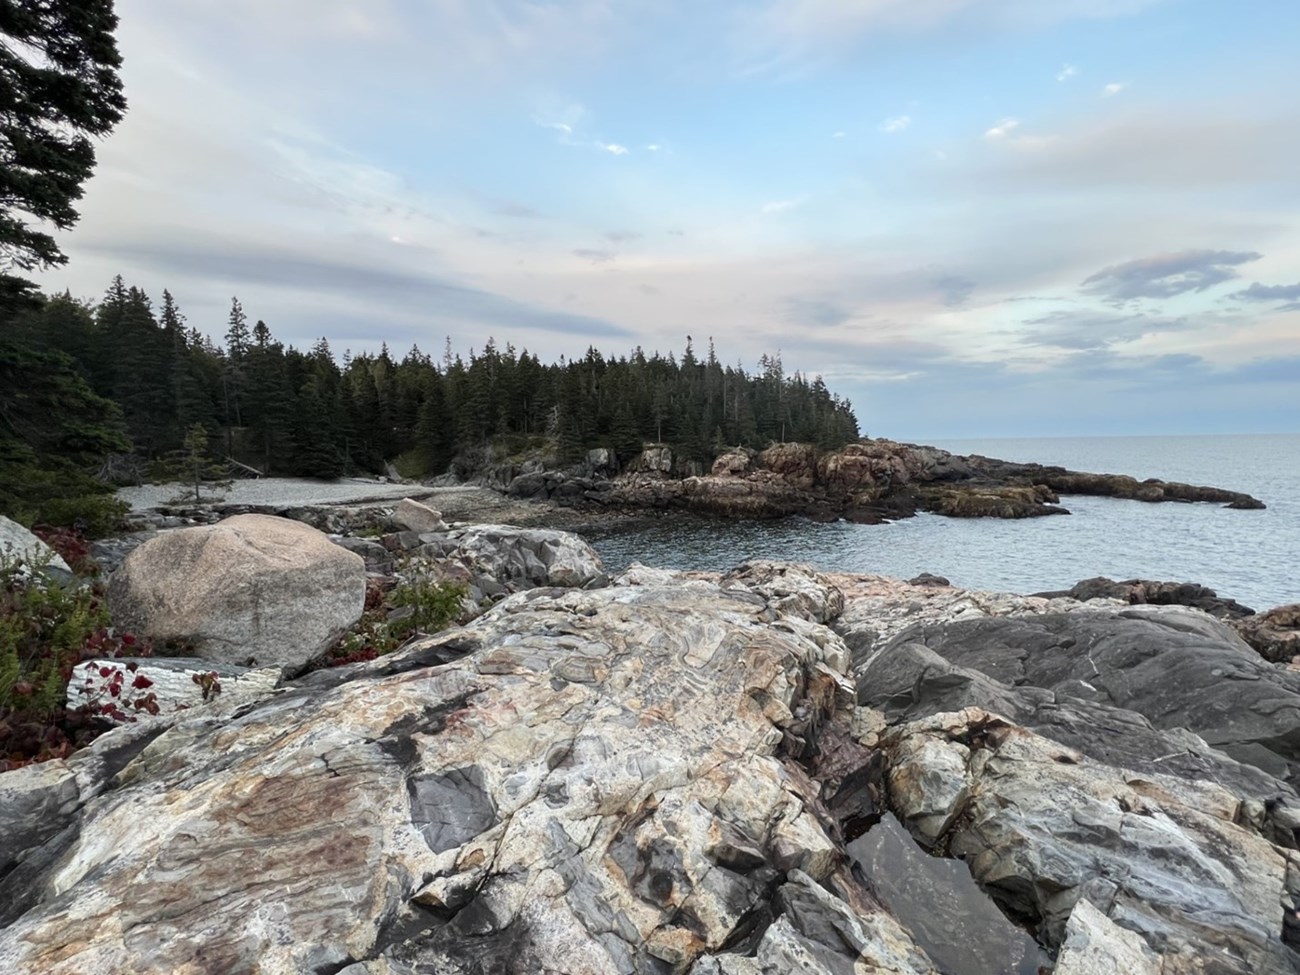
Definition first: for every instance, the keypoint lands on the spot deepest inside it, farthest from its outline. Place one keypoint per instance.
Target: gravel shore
(460, 503)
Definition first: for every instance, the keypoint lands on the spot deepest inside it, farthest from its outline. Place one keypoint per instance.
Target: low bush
(45, 631)
(392, 617)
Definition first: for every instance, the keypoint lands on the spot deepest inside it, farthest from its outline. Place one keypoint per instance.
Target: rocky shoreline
(870, 481)
(759, 771)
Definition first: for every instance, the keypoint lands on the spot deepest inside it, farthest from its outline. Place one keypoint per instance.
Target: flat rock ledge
(676, 774)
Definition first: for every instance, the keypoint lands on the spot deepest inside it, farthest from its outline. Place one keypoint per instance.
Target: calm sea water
(1251, 556)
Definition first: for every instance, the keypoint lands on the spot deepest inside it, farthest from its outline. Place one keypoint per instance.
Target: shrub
(45, 631)
(393, 617)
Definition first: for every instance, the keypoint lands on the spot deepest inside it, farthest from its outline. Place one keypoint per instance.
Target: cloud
(779, 206)
(281, 276)
(621, 236)
(596, 256)
(518, 210)
(1270, 292)
(1067, 72)
(825, 310)
(838, 135)
(1167, 275)
(574, 131)
(954, 289)
(1087, 329)
(1113, 89)
(896, 124)
(1165, 150)
(1002, 129)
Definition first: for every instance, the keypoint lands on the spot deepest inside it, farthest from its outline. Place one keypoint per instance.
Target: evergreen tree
(59, 63)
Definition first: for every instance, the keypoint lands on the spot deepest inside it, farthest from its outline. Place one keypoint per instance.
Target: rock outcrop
(252, 588)
(869, 481)
(498, 559)
(687, 775)
(1274, 635)
(1147, 592)
(17, 544)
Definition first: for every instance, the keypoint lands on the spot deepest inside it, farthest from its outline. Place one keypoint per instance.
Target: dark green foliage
(53, 432)
(282, 411)
(58, 87)
(195, 467)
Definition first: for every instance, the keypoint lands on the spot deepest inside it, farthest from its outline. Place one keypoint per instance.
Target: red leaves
(141, 682)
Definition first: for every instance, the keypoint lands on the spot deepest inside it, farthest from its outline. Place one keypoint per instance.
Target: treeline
(299, 412)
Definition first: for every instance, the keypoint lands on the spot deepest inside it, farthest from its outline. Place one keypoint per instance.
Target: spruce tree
(59, 63)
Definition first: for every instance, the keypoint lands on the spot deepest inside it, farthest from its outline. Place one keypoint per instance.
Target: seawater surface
(1251, 556)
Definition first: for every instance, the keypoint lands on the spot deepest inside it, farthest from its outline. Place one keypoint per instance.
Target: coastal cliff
(760, 771)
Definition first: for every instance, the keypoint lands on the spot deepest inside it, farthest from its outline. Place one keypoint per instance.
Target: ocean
(1250, 556)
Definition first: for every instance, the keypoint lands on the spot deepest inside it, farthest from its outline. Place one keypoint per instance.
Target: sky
(973, 218)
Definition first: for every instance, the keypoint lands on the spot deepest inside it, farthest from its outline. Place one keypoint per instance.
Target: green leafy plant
(45, 631)
(392, 617)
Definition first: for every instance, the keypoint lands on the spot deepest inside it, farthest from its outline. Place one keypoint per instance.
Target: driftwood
(244, 467)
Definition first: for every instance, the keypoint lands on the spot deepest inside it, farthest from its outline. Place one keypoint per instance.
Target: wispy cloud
(1003, 129)
(896, 124)
(573, 132)
(595, 255)
(838, 135)
(1167, 275)
(779, 206)
(1113, 89)
(1067, 72)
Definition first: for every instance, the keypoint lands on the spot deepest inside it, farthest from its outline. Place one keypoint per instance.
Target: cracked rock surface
(676, 774)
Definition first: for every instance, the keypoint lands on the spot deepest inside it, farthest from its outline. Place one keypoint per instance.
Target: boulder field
(868, 481)
(767, 771)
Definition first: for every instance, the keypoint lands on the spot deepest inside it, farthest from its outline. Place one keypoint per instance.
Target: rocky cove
(766, 770)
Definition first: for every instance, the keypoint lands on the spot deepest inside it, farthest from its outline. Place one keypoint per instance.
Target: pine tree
(59, 63)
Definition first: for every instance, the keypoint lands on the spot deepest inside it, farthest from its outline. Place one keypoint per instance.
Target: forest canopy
(304, 412)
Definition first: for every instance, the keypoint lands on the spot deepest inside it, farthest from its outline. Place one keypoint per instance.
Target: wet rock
(927, 579)
(252, 587)
(990, 501)
(1274, 635)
